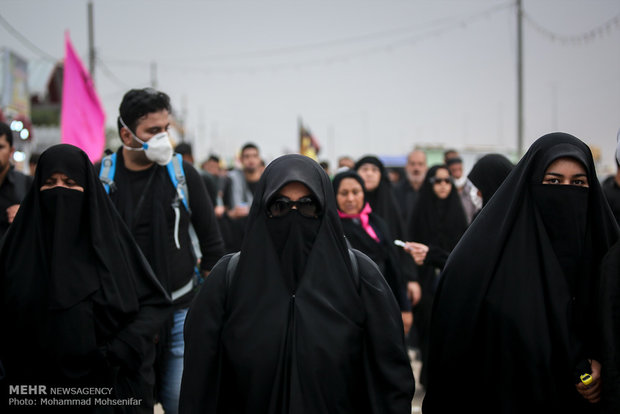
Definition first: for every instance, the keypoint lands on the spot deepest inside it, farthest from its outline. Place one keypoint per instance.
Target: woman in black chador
(488, 174)
(368, 233)
(79, 305)
(515, 321)
(437, 223)
(379, 193)
(295, 326)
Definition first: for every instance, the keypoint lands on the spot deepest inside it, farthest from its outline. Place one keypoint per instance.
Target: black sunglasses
(435, 180)
(307, 207)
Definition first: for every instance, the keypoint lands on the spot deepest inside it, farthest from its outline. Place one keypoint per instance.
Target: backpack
(177, 177)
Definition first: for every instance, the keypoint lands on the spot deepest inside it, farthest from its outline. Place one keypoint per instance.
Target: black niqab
(75, 288)
(256, 344)
(505, 319)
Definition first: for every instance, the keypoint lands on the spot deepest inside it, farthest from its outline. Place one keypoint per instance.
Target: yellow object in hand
(586, 379)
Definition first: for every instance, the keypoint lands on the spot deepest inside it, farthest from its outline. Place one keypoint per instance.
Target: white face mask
(460, 182)
(475, 198)
(157, 149)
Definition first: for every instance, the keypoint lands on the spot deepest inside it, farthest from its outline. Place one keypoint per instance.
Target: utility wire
(344, 41)
(109, 74)
(25, 41)
(578, 38)
(334, 58)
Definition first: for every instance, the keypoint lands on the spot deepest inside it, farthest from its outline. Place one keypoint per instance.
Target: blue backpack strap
(107, 171)
(177, 176)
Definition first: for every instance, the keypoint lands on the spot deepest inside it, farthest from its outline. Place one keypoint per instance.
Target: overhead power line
(109, 74)
(25, 41)
(580, 38)
(402, 41)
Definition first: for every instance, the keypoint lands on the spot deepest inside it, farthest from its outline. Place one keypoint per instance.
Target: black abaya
(316, 343)
(508, 321)
(489, 173)
(382, 251)
(79, 305)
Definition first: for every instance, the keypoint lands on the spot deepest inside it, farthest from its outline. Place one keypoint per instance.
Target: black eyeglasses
(436, 180)
(307, 207)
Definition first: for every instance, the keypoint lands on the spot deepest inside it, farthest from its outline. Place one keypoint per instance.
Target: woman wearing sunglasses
(295, 328)
(369, 233)
(437, 223)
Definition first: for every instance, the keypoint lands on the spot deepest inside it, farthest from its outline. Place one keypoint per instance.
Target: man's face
(346, 162)
(416, 167)
(212, 167)
(6, 152)
(250, 160)
(456, 170)
(148, 126)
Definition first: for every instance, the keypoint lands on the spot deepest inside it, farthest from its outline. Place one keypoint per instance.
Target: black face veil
(66, 248)
(509, 308)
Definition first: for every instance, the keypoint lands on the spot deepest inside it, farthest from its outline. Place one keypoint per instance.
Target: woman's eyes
(578, 181)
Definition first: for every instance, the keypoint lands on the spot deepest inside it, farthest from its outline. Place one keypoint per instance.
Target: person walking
(160, 213)
(368, 233)
(516, 312)
(79, 304)
(296, 322)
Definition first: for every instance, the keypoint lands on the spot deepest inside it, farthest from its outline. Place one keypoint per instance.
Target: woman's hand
(592, 392)
(418, 251)
(414, 292)
(407, 321)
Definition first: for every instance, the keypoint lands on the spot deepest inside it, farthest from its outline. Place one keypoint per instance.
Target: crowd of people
(281, 288)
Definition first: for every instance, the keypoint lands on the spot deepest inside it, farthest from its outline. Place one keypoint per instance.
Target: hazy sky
(365, 76)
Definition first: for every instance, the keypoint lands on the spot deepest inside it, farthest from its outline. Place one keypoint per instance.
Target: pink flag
(82, 119)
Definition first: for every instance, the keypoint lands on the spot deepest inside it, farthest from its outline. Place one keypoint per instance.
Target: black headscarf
(382, 252)
(382, 199)
(489, 173)
(437, 222)
(262, 342)
(73, 281)
(507, 319)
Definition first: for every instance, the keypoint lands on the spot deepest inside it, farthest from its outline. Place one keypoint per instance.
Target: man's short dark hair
(140, 102)
(214, 157)
(34, 158)
(5, 131)
(183, 148)
(450, 153)
(247, 146)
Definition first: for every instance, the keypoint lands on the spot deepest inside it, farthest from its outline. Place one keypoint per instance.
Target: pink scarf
(363, 217)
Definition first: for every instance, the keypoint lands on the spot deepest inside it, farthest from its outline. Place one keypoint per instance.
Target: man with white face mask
(149, 203)
(455, 165)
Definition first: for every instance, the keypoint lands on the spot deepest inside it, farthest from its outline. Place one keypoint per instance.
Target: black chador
(294, 330)
(515, 314)
(79, 305)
